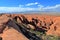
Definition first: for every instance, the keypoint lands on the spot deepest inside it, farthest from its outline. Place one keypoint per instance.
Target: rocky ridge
(18, 26)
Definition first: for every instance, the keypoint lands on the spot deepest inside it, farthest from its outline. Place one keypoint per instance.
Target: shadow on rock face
(0, 38)
(12, 24)
(29, 35)
(2, 27)
(23, 30)
(22, 19)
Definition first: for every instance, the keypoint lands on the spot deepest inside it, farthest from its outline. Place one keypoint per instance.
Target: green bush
(50, 37)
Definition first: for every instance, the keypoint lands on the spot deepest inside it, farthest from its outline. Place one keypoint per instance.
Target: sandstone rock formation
(12, 34)
(10, 30)
(17, 26)
(55, 28)
(43, 22)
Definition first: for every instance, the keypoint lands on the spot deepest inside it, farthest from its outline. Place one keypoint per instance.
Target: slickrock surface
(55, 28)
(12, 34)
(9, 30)
(48, 22)
(10, 25)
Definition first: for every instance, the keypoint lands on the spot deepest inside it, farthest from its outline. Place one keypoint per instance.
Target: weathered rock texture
(45, 22)
(9, 30)
(10, 26)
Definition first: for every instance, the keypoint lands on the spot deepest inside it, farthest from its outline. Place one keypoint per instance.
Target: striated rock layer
(9, 30)
(47, 22)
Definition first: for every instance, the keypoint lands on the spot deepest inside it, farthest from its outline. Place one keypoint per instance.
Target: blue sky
(29, 5)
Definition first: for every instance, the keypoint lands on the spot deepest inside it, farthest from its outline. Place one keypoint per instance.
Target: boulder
(30, 26)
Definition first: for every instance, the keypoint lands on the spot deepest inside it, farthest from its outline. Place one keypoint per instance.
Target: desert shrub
(40, 34)
(50, 37)
(58, 37)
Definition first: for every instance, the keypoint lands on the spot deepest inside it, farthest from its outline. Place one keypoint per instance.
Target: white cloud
(52, 7)
(57, 5)
(30, 4)
(9, 9)
(40, 6)
(21, 5)
(21, 8)
(15, 9)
